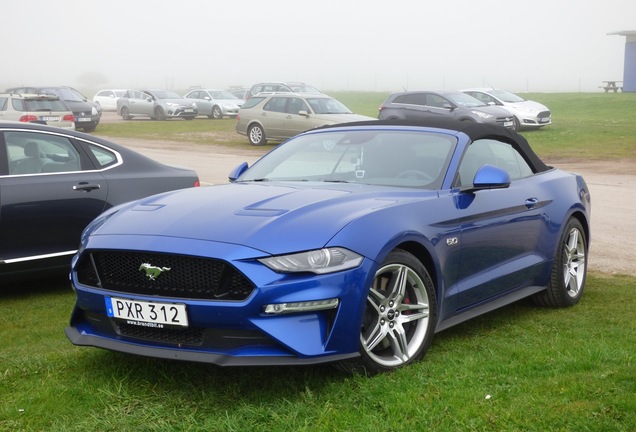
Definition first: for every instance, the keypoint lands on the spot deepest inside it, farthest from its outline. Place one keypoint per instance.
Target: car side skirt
(488, 306)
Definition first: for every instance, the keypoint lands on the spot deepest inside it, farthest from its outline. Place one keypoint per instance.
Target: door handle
(86, 187)
(531, 202)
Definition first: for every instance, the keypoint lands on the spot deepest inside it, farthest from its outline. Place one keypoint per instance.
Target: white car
(107, 99)
(214, 103)
(528, 114)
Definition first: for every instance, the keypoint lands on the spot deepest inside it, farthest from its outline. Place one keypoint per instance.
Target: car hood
(261, 216)
(528, 105)
(238, 102)
(340, 118)
(493, 110)
(185, 102)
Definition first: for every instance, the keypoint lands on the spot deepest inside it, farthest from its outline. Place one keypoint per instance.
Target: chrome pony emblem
(151, 271)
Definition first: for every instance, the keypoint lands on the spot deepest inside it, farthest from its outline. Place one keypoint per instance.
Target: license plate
(147, 314)
(189, 110)
(49, 118)
(83, 119)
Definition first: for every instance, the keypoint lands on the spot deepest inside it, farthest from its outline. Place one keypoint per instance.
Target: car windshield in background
(506, 96)
(222, 94)
(162, 94)
(304, 89)
(462, 99)
(385, 158)
(324, 105)
(64, 94)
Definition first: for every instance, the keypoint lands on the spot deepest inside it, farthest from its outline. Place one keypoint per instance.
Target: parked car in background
(414, 105)
(86, 113)
(36, 108)
(278, 116)
(157, 104)
(107, 99)
(352, 244)
(214, 103)
(527, 114)
(53, 182)
(289, 87)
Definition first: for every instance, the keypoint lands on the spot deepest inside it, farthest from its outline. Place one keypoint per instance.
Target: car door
(49, 192)
(500, 228)
(274, 117)
(294, 122)
(413, 105)
(141, 103)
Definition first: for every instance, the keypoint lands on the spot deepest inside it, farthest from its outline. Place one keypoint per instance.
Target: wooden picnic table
(611, 85)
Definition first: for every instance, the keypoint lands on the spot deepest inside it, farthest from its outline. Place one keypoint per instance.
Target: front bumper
(236, 333)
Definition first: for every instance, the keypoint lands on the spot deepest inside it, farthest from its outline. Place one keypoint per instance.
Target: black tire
(569, 271)
(217, 114)
(160, 114)
(517, 124)
(125, 114)
(256, 135)
(399, 319)
(88, 129)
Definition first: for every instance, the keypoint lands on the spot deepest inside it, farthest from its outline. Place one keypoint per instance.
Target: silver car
(416, 105)
(279, 116)
(527, 114)
(214, 103)
(155, 103)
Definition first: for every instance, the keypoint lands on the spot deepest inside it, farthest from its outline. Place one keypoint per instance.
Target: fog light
(308, 306)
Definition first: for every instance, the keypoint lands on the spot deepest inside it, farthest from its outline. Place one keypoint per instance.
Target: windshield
(165, 94)
(375, 157)
(327, 106)
(506, 96)
(222, 94)
(464, 100)
(63, 93)
(303, 88)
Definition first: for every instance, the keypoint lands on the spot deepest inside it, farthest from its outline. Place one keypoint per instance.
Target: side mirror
(489, 177)
(236, 172)
(303, 113)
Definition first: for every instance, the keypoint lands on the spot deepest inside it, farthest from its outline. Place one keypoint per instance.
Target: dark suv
(87, 114)
(414, 105)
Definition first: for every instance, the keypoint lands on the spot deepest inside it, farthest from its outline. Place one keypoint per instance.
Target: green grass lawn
(521, 368)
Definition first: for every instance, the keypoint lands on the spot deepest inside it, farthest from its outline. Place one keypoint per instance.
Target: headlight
(170, 104)
(483, 114)
(94, 111)
(230, 106)
(317, 261)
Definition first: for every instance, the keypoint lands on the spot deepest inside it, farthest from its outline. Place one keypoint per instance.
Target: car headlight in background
(317, 261)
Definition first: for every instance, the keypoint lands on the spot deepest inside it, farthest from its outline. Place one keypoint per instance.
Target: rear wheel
(125, 114)
(399, 319)
(256, 135)
(569, 270)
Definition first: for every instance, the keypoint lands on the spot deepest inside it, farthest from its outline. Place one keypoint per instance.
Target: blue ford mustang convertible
(351, 244)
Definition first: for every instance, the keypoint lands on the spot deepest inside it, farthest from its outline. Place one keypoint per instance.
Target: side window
(437, 101)
(3, 103)
(103, 156)
(276, 104)
(295, 105)
(34, 153)
(497, 153)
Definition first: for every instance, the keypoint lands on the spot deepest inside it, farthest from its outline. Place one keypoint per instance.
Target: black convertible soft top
(475, 131)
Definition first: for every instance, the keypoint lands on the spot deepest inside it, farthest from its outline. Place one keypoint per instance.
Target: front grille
(543, 114)
(180, 337)
(176, 276)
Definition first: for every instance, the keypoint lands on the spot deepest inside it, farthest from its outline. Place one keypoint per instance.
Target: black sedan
(53, 182)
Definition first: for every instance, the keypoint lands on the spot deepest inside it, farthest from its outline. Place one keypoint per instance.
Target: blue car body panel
(483, 249)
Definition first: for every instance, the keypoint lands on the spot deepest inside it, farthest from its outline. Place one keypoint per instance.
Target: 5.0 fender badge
(452, 241)
(153, 272)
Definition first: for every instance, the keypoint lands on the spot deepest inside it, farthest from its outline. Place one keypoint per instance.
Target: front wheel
(160, 114)
(517, 124)
(399, 319)
(567, 279)
(217, 114)
(256, 135)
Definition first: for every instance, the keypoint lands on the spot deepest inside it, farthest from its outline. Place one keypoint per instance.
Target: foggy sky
(522, 46)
